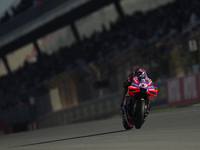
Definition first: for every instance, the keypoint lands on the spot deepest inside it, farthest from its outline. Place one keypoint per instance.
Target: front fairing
(143, 86)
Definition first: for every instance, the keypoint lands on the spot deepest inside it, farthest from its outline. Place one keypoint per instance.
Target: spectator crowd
(137, 29)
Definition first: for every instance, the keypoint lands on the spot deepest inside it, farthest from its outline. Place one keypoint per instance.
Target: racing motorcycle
(136, 104)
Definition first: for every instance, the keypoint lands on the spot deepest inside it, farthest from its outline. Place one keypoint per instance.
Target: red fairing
(133, 90)
(152, 92)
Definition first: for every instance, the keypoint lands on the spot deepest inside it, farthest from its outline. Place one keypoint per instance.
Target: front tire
(140, 114)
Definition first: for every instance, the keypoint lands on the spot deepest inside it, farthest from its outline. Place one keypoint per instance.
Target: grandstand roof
(31, 25)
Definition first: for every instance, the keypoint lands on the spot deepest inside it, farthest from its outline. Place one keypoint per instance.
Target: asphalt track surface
(175, 129)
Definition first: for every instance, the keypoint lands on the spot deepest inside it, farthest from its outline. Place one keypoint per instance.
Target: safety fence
(16, 115)
(105, 107)
(94, 109)
(12, 118)
(175, 91)
(183, 90)
(40, 114)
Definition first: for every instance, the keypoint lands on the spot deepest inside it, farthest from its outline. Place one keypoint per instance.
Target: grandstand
(95, 65)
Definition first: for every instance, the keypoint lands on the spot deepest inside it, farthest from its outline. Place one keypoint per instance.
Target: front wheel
(140, 114)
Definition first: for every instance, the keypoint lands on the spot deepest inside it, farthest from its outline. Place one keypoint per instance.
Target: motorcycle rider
(138, 74)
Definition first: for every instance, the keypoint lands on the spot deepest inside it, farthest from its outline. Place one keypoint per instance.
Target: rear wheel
(140, 115)
(125, 124)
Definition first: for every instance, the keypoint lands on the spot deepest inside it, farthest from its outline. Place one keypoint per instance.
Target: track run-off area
(167, 129)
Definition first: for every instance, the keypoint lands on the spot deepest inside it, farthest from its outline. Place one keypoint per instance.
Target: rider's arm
(128, 81)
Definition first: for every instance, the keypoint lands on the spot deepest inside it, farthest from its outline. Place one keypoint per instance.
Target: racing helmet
(140, 73)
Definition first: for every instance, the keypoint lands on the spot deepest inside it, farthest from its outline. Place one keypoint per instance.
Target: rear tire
(140, 115)
(125, 124)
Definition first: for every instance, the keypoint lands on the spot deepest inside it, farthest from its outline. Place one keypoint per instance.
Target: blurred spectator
(36, 2)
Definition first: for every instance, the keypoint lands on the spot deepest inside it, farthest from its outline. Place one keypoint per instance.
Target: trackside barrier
(95, 109)
(16, 115)
(183, 90)
(33, 125)
(161, 98)
(2, 127)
